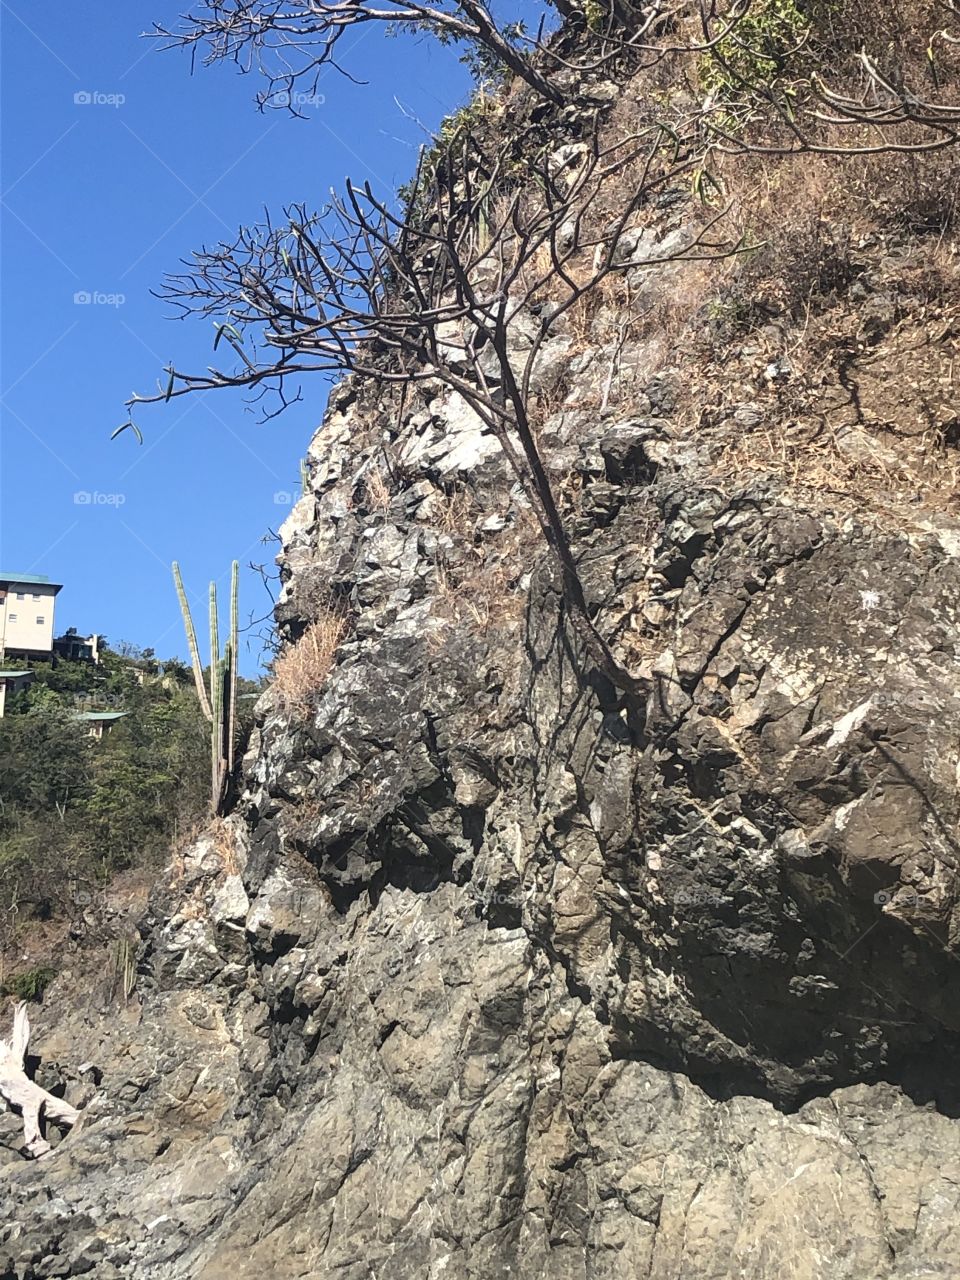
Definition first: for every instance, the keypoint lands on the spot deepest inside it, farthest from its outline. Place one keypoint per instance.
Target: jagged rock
(538, 992)
(230, 904)
(498, 973)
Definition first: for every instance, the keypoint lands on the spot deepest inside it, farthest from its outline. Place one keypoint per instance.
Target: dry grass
(221, 833)
(452, 512)
(853, 467)
(592, 318)
(485, 589)
(489, 597)
(858, 287)
(301, 670)
(854, 285)
(225, 844)
(185, 839)
(376, 491)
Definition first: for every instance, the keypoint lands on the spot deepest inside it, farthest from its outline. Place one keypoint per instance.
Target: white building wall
(26, 617)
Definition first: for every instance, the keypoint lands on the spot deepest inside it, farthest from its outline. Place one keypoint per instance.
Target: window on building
(36, 595)
(39, 621)
(21, 595)
(12, 617)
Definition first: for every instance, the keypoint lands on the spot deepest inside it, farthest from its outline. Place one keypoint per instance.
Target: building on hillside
(99, 723)
(26, 615)
(76, 647)
(12, 682)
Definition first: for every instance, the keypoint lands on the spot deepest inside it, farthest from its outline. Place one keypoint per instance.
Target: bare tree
(755, 48)
(439, 293)
(446, 289)
(292, 41)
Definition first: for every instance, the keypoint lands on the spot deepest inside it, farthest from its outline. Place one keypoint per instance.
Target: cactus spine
(220, 705)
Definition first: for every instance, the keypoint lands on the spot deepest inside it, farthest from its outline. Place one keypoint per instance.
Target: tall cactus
(192, 642)
(216, 703)
(234, 659)
(219, 706)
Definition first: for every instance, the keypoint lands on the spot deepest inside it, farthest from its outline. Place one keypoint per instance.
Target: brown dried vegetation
(481, 578)
(840, 329)
(301, 670)
(376, 490)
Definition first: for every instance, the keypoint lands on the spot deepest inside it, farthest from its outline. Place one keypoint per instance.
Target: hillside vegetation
(74, 811)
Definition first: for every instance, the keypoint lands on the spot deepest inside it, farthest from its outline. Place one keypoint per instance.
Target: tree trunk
(20, 1092)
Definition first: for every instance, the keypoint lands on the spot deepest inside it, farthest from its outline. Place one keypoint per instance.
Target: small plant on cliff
(30, 984)
(756, 50)
(301, 670)
(461, 123)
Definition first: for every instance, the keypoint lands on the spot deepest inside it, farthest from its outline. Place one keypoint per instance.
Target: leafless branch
(292, 41)
(441, 294)
(883, 113)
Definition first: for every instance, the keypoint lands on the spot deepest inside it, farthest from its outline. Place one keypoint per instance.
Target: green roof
(100, 715)
(29, 580)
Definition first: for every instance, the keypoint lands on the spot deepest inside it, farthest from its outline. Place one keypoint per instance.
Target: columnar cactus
(234, 658)
(219, 706)
(216, 703)
(191, 641)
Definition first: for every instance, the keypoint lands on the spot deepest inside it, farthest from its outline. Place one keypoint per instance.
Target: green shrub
(73, 811)
(455, 130)
(29, 985)
(756, 50)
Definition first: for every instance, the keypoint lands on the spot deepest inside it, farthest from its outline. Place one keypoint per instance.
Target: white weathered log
(20, 1092)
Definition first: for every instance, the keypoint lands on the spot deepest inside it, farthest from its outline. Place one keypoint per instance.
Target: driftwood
(20, 1092)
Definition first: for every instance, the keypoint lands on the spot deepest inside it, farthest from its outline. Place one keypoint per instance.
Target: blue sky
(102, 194)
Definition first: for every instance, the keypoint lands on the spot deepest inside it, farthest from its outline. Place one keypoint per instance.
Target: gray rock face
(493, 974)
(495, 977)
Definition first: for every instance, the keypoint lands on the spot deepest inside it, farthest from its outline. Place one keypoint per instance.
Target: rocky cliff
(492, 973)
